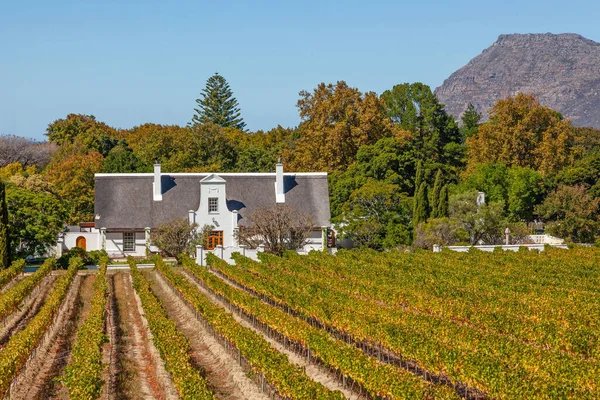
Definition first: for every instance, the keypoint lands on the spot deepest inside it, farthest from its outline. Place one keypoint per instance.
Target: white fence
(511, 247)
(224, 253)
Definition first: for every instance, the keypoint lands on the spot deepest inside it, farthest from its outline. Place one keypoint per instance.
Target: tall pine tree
(217, 105)
(4, 245)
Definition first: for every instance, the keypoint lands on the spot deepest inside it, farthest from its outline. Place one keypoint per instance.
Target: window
(129, 241)
(214, 239)
(213, 204)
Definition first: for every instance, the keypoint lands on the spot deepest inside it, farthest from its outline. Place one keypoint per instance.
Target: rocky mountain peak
(562, 70)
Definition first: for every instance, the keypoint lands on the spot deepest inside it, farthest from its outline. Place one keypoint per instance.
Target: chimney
(157, 185)
(279, 193)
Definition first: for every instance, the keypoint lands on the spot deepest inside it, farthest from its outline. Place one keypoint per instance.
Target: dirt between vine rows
(139, 372)
(13, 282)
(19, 319)
(315, 372)
(226, 377)
(37, 379)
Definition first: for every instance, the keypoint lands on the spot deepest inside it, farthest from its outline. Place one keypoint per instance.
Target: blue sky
(131, 62)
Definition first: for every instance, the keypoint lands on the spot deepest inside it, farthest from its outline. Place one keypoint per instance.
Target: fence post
(200, 255)
(219, 249)
(243, 247)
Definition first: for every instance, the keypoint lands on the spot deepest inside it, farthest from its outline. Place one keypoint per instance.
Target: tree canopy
(523, 133)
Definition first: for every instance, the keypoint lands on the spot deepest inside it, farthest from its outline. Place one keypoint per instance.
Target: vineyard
(358, 325)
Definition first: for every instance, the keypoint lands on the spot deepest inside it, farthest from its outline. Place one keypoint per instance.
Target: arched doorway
(80, 242)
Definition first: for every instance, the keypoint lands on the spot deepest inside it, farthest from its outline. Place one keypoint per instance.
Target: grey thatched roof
(124, 201)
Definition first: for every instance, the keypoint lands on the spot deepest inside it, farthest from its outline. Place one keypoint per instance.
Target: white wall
(92, 240)
(114, 245)
(222, 220)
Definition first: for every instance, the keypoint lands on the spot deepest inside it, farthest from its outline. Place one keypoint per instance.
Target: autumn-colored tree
(73, 178)
(151, 142)
(4, 245)
(336, 121)
(523, 133)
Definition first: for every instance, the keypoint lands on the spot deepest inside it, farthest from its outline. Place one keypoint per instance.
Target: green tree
(217, 105)
(484, 223)
(421, 205)
(490, 178)
(525, 191)
(376, 216)
(442, 210)
(435, 135)
(572, 214)
(36, 217)
(121, 159)
(436, 195)
(470, 121)
(4, 244)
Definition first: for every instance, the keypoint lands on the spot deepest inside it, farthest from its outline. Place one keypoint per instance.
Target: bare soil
(139, 370)
(12, 283)
(18, 320)
(37, 379)
(226, 377)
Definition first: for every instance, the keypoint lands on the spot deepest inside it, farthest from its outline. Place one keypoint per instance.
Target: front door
(214, 239)
(80, 242)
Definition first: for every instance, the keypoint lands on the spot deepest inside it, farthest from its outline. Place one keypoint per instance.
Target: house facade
(129, 206)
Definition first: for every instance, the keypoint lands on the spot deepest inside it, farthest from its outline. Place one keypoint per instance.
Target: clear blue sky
(131, 62)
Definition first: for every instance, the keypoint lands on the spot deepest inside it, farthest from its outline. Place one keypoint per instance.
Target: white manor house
(128, 206)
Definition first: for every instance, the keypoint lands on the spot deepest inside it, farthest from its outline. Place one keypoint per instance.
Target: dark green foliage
(387, 161)
(4, 244)
(65, 259)
(572, 212)
(421, 205)
(377, 216)
(218, 105)
(436, 137)
(470, 121)
(121, 159)
(490, 178)
(435, 195)
(442, 208)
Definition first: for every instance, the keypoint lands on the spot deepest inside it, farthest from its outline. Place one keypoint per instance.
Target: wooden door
(214, 239)
(80, 242)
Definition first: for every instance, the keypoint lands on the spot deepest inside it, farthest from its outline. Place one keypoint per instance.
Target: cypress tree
(418, 176)
(442, 208)
(217, 105)
(421, 205)
(435, 195)
(4, 245)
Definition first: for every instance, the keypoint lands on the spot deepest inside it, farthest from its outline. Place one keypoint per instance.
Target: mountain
(563, 71)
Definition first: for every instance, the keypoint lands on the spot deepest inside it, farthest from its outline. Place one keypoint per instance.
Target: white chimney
(279, 193)
(157, 185)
